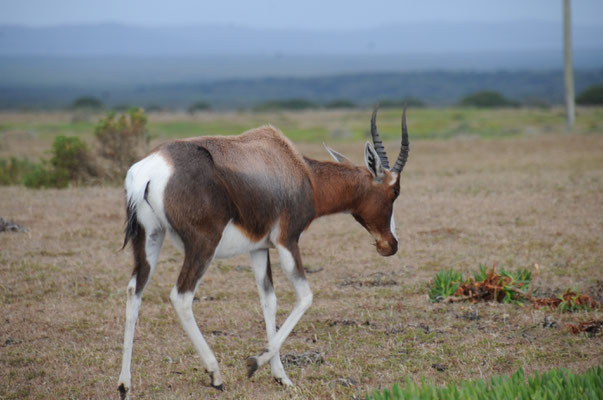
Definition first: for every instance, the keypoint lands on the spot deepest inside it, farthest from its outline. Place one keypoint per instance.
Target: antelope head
(378, 188)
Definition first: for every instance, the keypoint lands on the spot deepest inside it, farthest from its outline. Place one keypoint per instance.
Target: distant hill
(433, 87)
(233, 66)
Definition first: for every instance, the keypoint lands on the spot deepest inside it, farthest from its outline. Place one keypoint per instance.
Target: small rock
(346, 382)
(303, 359)
(549, 322)
(439, 367)
(8, 226)
(10, 341)
(471, 315)
(344, 322)
(392, 330)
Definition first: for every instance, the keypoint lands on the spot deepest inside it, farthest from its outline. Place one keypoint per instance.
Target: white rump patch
(156, 171)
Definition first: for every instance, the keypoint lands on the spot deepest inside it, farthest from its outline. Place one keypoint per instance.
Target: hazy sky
(305, 14)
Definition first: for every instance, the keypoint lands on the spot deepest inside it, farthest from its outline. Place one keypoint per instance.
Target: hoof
(212, 376)
(252, 366)
(123, 392)
(284, 382)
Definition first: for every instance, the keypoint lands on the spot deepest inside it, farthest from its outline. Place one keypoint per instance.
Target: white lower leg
(183, 304)
(304, 300)
(259, 263)
(153, 244)
(133, 303)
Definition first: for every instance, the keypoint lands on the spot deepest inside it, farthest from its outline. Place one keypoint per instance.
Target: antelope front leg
(260, 262)
(293, 268)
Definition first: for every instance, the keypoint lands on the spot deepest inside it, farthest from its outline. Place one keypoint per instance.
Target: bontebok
(218, 197)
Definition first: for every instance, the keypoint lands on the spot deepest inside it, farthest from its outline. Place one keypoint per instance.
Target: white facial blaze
(392, 226)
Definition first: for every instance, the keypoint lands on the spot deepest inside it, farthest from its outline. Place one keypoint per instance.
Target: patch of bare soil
(513, 202)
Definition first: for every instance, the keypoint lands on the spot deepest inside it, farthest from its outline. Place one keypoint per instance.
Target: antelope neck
(337, 187)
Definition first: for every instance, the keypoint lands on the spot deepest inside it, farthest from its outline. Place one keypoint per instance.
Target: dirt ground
(509, 203)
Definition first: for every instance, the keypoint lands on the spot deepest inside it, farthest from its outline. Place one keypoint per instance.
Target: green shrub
(13, 170)
(593, 95)
(408, 101)
(286, 104)
(45, 176)
(487, 99)
(199, 106)
(340, 103)
(555, 384)
(122, 140)
(71, 162)
(87, 102)
(121, 107)
(153, 108)
(70, 156)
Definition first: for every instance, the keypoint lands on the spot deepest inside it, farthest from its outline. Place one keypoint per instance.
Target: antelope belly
(234, 242)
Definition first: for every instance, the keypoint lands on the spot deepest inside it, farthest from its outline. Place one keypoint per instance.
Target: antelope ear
(340, 158)
(373, 162)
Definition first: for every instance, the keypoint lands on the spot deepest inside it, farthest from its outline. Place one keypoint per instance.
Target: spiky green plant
(555, 384)
(445, 284)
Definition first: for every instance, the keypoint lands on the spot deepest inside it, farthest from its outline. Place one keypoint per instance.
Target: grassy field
(530, 195)
(31, 134)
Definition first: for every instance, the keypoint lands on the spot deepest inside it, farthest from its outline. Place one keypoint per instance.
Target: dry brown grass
(510, 202)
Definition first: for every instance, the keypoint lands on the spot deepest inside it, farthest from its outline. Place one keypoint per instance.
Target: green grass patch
(486, 284)
(554, 384)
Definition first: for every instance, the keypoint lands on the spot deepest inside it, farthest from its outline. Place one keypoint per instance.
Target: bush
(13, 171)
(593, 95)
(408, 101)
(340, 103)
(87, 102)
(122, 140)
(71, 162)
(153, 108)
(121, 108)
(199, 106)
(286, 104)
(45, 176)
(487, 99)
(70, 156)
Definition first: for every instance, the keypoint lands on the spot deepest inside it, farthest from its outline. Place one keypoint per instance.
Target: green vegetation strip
(556, 384)
(509, 287)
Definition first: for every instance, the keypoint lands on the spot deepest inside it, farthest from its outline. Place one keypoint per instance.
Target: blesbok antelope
(219, 197)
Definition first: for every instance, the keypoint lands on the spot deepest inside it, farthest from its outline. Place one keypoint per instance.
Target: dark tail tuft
(132, 223)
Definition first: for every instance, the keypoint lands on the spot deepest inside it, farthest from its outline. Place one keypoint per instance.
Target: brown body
(224, 196)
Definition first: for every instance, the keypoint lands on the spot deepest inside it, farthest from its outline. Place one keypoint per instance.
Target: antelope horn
(404, 148)
(377, 140)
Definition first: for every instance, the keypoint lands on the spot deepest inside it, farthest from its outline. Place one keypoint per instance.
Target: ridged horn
(404, 148)
(377, 140)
